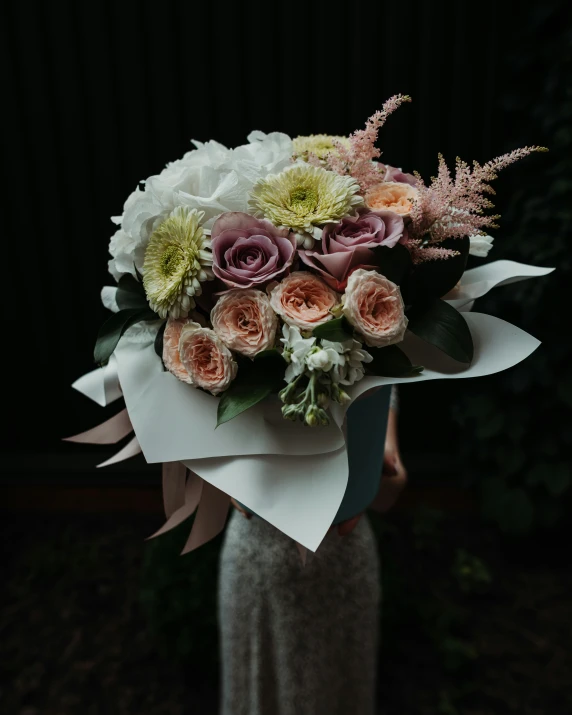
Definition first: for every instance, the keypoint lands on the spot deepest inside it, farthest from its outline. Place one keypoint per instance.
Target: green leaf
(158, 344)
(437, 278)
(255, 381)
(337, 330)
(394, 263)
(130, 293)
(114, 327)
(391, 361)
(440, 324)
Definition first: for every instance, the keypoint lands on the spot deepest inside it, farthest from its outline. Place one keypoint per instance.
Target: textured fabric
(297, 640)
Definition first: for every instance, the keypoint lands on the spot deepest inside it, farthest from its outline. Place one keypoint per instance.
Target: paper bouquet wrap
(267, 298)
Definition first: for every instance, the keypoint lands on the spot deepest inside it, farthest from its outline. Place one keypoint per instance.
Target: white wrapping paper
(290, 475)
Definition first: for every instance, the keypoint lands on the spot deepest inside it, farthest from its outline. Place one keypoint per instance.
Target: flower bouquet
(261, 290)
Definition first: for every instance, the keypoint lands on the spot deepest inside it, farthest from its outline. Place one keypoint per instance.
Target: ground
(97, 621)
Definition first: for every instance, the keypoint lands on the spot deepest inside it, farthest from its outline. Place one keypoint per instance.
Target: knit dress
(298, 640)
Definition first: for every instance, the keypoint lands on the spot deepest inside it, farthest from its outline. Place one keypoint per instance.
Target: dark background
(98, 96)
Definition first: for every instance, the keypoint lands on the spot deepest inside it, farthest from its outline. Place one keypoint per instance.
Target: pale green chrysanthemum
(177, 260)
(304, 197)
(318, 144)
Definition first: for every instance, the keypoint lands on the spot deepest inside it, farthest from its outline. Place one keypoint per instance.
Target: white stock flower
(480, 245)
(350, 368)
(210, 178)
(296, 349)
(324, 358)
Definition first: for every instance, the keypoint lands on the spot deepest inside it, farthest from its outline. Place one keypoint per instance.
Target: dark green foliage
(441, 325)
(256, 380)
(111, 331)
(521, 421)
(391, 361)
(337, 330)
(394, 263)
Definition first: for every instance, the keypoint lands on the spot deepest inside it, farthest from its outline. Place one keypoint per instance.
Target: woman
(302, 640)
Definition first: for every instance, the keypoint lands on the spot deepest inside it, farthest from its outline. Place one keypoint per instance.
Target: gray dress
(297, 640)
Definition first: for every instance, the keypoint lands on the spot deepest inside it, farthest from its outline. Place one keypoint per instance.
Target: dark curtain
(98, 96)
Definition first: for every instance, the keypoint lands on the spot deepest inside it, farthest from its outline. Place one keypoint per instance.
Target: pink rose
(248, 251)
(392, 173)
(171, 356)
(244, 321)
(303, 300)
(206, 358)
(345, 245)
(374, 306)
(392, 196)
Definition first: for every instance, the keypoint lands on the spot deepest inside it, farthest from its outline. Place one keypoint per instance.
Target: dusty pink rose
(392, 196)
(171, 356)
(248, 251)
(374, 306)
(206, 358)
(345, 245)
(392, 173)
(244, 321)
(303, 300)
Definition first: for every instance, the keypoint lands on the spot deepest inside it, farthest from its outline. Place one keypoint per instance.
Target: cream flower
(305, 197)
(177, 260)
(320, 145)
(392, 196)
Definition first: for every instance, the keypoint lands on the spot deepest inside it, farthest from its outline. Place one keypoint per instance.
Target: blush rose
(244, 321)
(206, 358)
(374, 306)
(303, 300)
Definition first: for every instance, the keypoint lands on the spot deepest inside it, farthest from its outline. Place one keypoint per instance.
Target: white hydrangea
(210, 178)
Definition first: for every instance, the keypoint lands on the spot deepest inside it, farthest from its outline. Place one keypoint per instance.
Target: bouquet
(281, 280)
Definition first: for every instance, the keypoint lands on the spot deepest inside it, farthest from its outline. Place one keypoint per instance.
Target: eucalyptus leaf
(114, 327)
(391, 361)
(255, 381)
(337, 330)
(440, 324)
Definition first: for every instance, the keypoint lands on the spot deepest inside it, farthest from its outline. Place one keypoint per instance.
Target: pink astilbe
(431, 253)
(357, 160)
(420, 253)
(453, 208)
